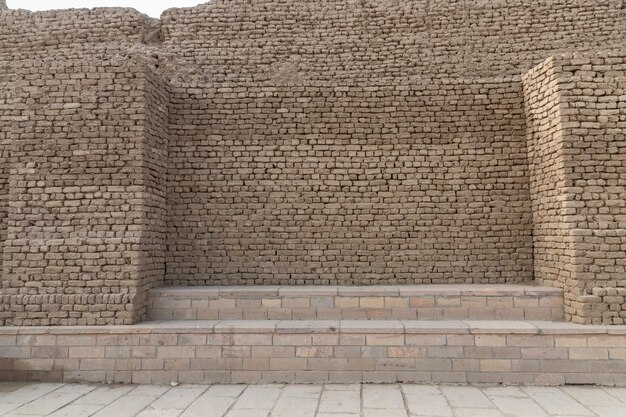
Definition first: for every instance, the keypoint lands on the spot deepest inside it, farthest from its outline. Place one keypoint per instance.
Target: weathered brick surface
(339, 184)
(266, 40)
(71, 119)
(552, 242)
(576, 116)
(65, 34)
(86, 193)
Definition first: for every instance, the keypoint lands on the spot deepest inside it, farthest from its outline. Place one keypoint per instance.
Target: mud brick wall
(267, 40)
(325, 184)
(577, 145)
(86, 156)
(303, 142)
(6, 119)
(35, 40)
(69, 34)
(154, 172)
(593, 103)
(552, 244)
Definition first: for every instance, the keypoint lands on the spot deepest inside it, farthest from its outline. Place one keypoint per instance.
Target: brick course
(421, 302)
(510, 353)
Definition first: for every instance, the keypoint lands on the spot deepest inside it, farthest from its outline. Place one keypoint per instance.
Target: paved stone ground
(76, 400)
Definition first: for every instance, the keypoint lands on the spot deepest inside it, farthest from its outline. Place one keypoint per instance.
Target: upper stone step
(423, 302)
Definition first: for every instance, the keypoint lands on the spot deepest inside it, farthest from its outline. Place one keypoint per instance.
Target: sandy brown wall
(328, 142)
(37, 45)
(81, 193)
(68, 34)
(151, 255)
(553, 248)
(268, 40)
(333, 184)
(576, 124)
(594, 118)
(5, 149)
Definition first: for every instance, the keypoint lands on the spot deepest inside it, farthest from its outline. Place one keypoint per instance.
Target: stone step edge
(484, 290)
(328, 327)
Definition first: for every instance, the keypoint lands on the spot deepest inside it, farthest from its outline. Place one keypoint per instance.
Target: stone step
(411, 302)
(318, 351)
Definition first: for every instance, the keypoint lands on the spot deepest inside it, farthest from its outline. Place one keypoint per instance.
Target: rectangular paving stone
(518, 407)
(382, 397)
(248, 413)
(427, 401)
(76, 410)
(224, 390)
(257, 398)
(555, 401)
(52, 401)
(389, 412)
(468, 397)
(302, 391)
(295, 407)
(126, 406)
(30, 393)
(177, 398)
(340, 402)
(477, 412)
(103, 395)
(209, 406)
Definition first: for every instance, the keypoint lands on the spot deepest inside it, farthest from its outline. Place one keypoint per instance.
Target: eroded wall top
(276, 41)
(69, 34)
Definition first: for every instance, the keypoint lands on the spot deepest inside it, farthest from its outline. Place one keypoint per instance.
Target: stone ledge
(513, 352)
(411, 302)
(374, 290)
(328, 326)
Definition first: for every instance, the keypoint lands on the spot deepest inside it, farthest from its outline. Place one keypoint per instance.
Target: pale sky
(150, 7)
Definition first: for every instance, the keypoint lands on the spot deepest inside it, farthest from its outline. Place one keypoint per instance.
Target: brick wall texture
(328, 143)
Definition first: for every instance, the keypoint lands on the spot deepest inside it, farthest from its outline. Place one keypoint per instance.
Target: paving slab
(332, 400)
(207, 406)
(340, 402)
(77, 410)
(382, 397)
(257, 398)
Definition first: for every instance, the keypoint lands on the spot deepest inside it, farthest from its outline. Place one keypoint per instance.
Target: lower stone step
(423, 302)
(267, 351)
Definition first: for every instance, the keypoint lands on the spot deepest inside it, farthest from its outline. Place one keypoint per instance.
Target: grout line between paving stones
(235, 401)
(196, 399)
(319, 401)
(575, 399)
(529, 395)
(280, 395)
(361, 402)
(35, 399)
(614, 396)
(404, 400)
(156, 397)
(495, 406)
(85, 394)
